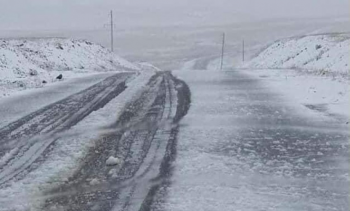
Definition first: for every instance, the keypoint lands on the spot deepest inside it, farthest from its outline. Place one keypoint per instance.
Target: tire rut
(158, 192)
(30, 137)
(143, 140)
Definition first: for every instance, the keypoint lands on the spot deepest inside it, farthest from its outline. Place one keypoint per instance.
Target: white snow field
(32, 63)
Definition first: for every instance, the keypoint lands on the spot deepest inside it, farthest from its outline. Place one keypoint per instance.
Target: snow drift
(318, 54)
(31, 63)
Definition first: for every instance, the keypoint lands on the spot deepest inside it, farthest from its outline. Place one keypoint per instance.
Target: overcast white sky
(92, 14)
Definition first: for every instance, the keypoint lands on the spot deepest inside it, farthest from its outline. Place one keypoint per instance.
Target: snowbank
(321, 54)
(31, 63)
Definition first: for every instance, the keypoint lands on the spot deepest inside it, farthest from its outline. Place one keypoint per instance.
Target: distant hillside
(320, 54)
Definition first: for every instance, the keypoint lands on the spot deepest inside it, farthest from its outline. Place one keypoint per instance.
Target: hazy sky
(92, 14)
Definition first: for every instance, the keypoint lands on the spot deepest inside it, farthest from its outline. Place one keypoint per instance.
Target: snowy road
(143, 139)
(141, 144)
(243, 146)
(240, 145)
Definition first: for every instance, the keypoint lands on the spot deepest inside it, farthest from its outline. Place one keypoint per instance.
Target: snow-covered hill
(32, 63)
(319, 54)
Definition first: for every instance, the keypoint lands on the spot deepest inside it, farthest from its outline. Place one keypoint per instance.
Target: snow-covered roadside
(312, 71)
(321, 94)
(68, 152)
(33, 63)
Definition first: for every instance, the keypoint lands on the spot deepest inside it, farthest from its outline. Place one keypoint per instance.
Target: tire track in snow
(143, 145)
(31, 136)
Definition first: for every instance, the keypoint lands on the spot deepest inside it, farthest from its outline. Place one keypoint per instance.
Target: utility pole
(112, 32)
(111, 27)
(243, 51)
(222, 51)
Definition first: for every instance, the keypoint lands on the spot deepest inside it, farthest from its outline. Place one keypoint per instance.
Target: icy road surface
(242, 146)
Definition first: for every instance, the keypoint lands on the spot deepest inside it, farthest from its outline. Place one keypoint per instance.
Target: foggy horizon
(93, 14)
